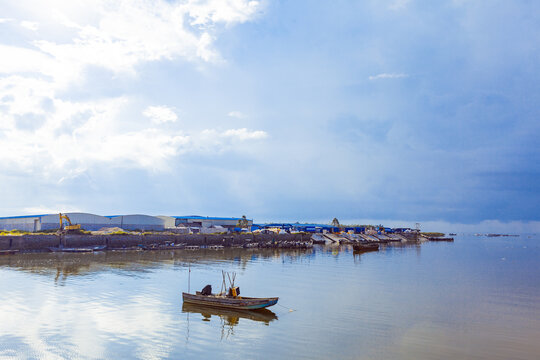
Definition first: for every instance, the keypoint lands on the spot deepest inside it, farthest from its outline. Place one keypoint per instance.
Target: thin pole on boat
(189, 278)
(223, 283)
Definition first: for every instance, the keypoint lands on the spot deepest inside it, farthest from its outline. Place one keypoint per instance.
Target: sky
(400, 111)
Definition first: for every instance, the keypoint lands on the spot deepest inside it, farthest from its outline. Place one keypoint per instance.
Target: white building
(206, 224)
(92, 222)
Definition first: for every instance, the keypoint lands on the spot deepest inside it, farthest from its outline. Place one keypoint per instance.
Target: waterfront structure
(92, 222)
(52, 221)
(288, 227)
(137, 222)
(203, 224)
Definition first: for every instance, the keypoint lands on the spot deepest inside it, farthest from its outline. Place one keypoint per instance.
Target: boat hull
(360, 247)
(243, 303)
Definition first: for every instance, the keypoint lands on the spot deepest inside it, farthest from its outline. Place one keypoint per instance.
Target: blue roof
(197, 217)
(294, 225)
(24, 216)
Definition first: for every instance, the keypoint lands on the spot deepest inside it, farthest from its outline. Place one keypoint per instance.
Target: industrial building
(92, 222)
(203, 224)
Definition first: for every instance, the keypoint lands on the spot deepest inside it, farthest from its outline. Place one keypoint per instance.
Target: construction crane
(67, 227)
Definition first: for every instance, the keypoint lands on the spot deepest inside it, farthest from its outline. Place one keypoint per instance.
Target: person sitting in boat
(234, 291)
(207, 290)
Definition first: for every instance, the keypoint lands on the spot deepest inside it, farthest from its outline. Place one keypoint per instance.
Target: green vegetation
(243, 222)
(433, 234)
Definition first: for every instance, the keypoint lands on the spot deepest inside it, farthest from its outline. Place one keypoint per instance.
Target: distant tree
(243, 222)
(335, 222)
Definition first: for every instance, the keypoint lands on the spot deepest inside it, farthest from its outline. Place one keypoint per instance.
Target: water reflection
(451, 301)
(62, 265)
(228, 318)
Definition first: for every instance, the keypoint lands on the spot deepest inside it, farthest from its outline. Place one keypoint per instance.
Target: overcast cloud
(402, 111)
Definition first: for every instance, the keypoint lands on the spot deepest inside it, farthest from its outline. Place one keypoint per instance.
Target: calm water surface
(476, 298)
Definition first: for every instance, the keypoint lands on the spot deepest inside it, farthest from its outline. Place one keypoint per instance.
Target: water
(476, 298)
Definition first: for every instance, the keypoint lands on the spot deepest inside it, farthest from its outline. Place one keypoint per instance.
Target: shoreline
(45, 243)
(26, 243)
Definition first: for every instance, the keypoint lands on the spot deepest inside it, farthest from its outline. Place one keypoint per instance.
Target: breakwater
(39, 243)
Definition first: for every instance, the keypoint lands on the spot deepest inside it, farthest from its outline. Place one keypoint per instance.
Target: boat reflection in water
(229, 316)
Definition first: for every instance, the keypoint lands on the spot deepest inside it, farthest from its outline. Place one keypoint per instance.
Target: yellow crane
(67, 227)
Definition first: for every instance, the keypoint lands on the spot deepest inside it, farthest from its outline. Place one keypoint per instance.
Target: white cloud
(78, 135)
(245, 134)
(42, 132)
(212, 140)
(64, 143)
(49, 210)
(118, 35)
(213, 11)
(30, 25)
(160, 114)
(19, 60)
(237, 114)
(399, 4)
(388, 76)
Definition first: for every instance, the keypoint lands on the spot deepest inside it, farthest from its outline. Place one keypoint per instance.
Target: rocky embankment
(39, 243)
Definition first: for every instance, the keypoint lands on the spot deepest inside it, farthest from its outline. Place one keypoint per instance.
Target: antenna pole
(189, 278)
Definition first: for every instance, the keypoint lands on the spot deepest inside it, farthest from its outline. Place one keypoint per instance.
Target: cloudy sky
(394, 110)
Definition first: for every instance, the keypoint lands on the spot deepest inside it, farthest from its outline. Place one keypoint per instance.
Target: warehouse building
(203, 224)
(24, 223)
(92, 222)
(137, 222)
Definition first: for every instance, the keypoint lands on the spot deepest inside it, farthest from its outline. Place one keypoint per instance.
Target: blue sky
(396, 111)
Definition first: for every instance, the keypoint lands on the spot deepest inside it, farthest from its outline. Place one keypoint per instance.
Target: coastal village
(84, 232)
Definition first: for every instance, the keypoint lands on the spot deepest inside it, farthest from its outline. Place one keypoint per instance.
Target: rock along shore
(41, 243)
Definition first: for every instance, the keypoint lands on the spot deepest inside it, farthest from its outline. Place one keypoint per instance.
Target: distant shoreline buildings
(178, 224)
(93, 222)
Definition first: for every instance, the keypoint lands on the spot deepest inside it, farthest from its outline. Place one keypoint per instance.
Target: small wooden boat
(230, 302)
(78, 250)
(364, 247)
(440, 239)
(8, 252)
(230, 299)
